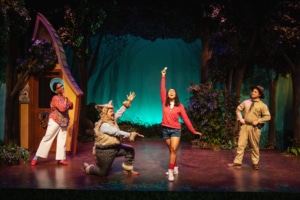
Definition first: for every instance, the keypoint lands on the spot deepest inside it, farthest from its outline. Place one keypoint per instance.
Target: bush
(12, 154)
(212, 112)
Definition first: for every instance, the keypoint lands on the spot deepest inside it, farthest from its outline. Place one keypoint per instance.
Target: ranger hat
(260, 89)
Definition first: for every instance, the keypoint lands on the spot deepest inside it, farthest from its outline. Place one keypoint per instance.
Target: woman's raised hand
(164, 71)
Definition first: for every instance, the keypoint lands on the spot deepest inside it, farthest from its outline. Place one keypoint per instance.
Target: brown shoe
(255, 167)
(234, 165)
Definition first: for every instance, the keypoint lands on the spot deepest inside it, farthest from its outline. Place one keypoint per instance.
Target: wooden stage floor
(200, 171)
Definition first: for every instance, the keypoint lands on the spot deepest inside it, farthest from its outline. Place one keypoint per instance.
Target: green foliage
(229, 145)
(283, 28)
(212, 112)
(258, 77)
(294, 149)
(14, 18)
(206, 111)
(39, 58)
(230, 122)
(12, 153)
(224, 46)
(81, 22)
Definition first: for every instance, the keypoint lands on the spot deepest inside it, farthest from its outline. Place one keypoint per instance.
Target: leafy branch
(39, 58)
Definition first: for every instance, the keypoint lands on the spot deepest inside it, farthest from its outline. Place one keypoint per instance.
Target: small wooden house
(36, 95)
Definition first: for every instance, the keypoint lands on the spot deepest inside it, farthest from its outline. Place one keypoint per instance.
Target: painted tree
(187, 20)
(83, 20)
(273, 36)
(233, 50)
(282, 39)
(239, 25)
(148, 20)
(235, 42)
(15, 24)
(272, 67)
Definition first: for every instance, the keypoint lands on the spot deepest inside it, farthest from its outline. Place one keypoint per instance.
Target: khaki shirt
(259, 111)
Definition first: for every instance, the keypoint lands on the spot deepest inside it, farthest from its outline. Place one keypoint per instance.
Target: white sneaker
(174, 172)
(171, 175)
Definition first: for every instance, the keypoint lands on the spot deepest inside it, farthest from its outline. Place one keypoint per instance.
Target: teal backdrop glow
(138, 68)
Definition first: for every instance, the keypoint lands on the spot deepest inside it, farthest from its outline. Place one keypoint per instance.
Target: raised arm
(126, 104)
(163, 85)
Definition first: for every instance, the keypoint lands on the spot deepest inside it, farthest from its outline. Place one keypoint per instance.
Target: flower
(43, 117)
(39, 58)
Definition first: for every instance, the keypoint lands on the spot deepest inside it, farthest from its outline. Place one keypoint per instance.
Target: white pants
(53, 130)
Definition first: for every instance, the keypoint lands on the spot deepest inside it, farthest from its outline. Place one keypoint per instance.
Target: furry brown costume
(108, 146)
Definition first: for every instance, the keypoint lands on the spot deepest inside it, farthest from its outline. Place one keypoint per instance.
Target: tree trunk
(272, 107)
(296, 104)
(20, 83)
(229, 80)
(206, 54)
(95, 57)
(239, 76)
(11, 133)
(83, 76)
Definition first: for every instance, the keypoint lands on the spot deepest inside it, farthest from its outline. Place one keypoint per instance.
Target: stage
(202, 173)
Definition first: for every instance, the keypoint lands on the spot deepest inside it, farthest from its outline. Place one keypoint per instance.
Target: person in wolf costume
(108, 143)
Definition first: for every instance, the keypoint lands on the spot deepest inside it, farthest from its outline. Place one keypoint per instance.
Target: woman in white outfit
(57, 124)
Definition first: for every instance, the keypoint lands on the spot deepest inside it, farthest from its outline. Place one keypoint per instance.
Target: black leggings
(105, 157)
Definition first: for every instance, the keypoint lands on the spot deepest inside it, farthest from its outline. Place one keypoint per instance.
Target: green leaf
(294, 151)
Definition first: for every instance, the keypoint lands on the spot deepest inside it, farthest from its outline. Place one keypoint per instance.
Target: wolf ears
(100, 107)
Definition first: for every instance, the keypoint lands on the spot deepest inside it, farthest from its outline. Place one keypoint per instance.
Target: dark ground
(202, 174)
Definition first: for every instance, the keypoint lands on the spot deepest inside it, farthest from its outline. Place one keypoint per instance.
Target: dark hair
(177, 102)
(54, 85)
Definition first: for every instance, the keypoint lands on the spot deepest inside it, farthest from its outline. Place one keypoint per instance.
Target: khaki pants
(251, 134)
(53, 130)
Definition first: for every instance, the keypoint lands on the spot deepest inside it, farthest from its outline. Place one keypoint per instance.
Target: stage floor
(199, 170)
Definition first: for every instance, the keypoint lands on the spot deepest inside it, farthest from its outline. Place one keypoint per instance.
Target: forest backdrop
(114, 47)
